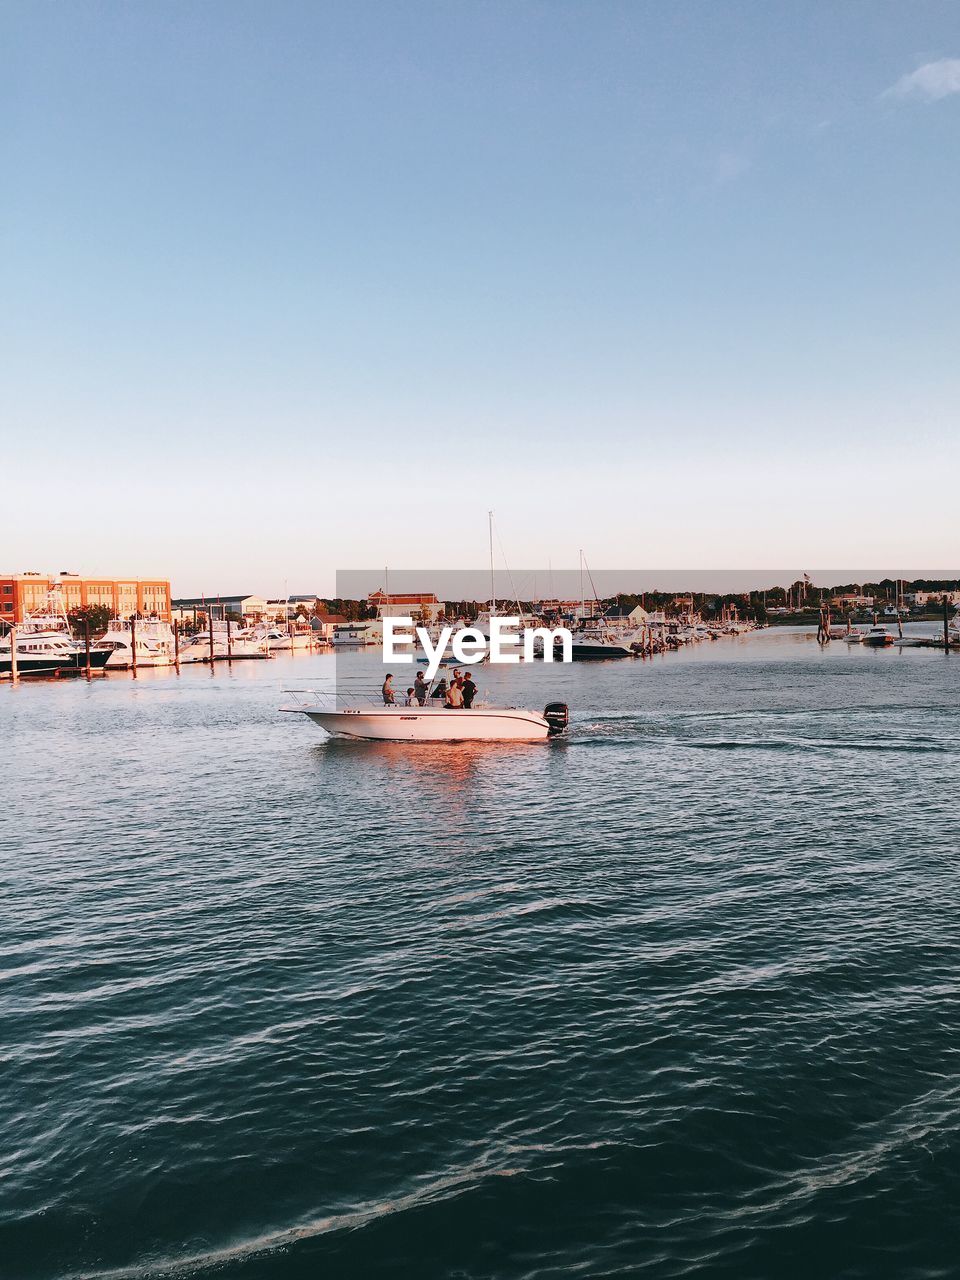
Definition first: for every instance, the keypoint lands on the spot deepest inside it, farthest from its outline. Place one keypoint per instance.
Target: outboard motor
(556, 716)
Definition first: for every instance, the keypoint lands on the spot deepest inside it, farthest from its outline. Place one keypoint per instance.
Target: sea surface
(677, 996)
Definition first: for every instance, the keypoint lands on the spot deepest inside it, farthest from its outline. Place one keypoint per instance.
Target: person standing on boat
(421, 688)
(469, 690)
(387, 691)
(440, 691)
(455, 696)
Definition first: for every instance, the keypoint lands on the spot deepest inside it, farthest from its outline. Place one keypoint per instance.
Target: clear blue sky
(296, 286)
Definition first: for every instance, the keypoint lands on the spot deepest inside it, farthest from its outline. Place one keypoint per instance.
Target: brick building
(421, 605)
(23, 593)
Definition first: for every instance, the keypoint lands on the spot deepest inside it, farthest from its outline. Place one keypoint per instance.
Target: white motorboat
(433, 723)
(279, 637)
(238, 645)
(595, 640)
(878, 636)
(154, 643)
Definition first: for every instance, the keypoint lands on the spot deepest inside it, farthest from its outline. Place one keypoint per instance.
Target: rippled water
(678, 996)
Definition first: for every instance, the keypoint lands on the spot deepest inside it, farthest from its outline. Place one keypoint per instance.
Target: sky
(289, 288)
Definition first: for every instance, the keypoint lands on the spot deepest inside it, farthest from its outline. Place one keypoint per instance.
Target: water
(679, 996)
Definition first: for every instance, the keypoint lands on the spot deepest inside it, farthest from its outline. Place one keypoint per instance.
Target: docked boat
(236, 645)
(878, 636)
(432, 723)
(153, 639)
(46, 645)
(594, 640)
(41, 652)
(278, 637)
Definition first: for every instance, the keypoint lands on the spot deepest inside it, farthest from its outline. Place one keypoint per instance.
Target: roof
(200, 602)
(423, 597)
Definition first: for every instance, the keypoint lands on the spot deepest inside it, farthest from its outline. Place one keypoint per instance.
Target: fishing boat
(41, 652)
(46, 645)
(429, 723)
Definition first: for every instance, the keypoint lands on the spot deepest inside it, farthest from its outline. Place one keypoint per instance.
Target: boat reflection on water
(444, 766)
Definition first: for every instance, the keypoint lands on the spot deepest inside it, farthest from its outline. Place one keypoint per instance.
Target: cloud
(930, 82)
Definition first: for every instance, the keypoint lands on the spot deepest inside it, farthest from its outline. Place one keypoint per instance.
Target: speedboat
(434, 723)
(878, 636)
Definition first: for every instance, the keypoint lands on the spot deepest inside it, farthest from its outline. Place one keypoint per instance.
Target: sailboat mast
(493, 590)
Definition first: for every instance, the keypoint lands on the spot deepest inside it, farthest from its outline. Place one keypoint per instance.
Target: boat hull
(38, 663)
(122, 660)
(598, 652)
(434, 724)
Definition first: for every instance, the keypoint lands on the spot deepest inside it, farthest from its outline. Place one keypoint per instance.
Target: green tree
(98, 616)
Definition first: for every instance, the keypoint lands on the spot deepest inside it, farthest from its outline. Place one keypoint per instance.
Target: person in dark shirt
(421, 688)
(469, 690)
(387, 691)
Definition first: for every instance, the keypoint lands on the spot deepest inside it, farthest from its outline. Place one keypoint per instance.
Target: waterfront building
(421, 606)
(250, 608)
(23, 593)
(324, 624)
(853, 602)
(922, 598)
(635, 617)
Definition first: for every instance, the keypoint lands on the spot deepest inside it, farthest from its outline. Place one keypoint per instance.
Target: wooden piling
(176, 643)
(86, 641)
(210, 629)
(14, 669)
(229, 643)
(946, 625)
(133, 643)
